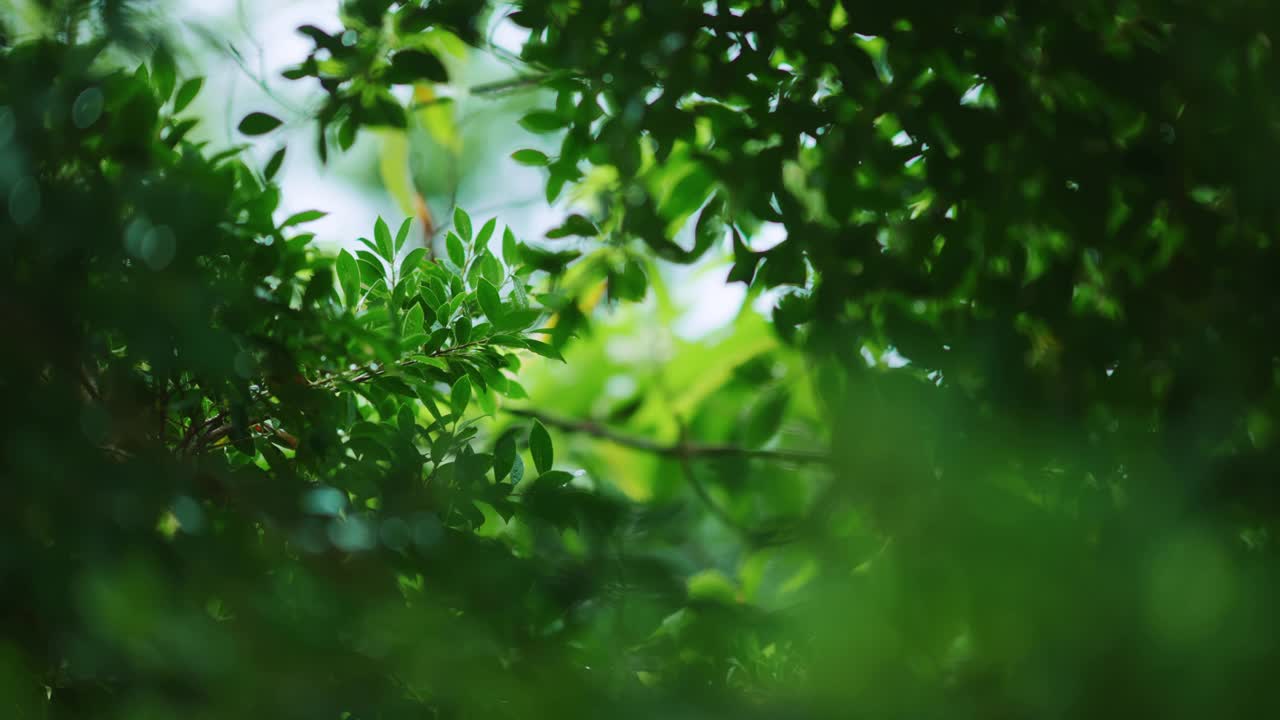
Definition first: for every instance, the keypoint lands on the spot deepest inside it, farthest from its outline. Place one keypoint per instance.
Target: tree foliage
(1003, 448)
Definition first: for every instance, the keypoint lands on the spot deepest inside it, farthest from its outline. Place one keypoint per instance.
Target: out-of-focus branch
(676, 450)
(685, 452)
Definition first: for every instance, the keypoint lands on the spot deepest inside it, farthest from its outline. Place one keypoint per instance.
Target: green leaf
(765, 417)
(508, 341)
(459, 396)
(347, 133)
(367, 258)
(273, 165)
(784, 265)
(462, 330)
(517, 470)
(412, 260)
(542, 121)
(349, 278)
(319, 287)
(712, 586)
(382, 235)
(574, 225)
(516, 319)
(414, 321)
(504, 456)
(744, 261)
(402, 234)
(186, 93)
(434, 362)
(409, 66)
(540, 447)
(457, 253)
(533, 158)
(406, 420)
(510, 248)
(554, 478)
(544, 349)
(555, 184)
(490, 301)
(491, 268)
(437, 339)
(486, 232)
(259, 123)
(163, 73)
(303, 217)
(688, 195)
(370, 269)
(462, 223)
(552, 262)
(630, 284)
(710, 228)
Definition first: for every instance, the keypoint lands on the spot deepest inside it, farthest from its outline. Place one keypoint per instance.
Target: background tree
(1004, 448)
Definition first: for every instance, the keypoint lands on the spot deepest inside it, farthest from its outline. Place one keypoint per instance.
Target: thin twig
(677, 450)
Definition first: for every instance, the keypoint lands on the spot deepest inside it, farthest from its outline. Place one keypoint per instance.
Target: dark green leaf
(574, 225)
(542, 121)
(259, 123)
(552, 262)
(504, 456)
(534, 158)
(303, 217)
(163, 73)
(273, 165)
(540, 447)
(554, 478)
(437, 339)
(186, 93)
(347, 133)
(745, 261)
(408, 66)
(765, 417)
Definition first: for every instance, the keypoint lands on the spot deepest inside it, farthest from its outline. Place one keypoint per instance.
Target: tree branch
(218, 427)
(681, 450)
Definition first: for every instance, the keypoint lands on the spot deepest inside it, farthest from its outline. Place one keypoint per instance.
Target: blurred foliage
(1004, 447)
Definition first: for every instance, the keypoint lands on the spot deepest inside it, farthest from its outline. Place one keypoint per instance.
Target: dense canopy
(1001, 443)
